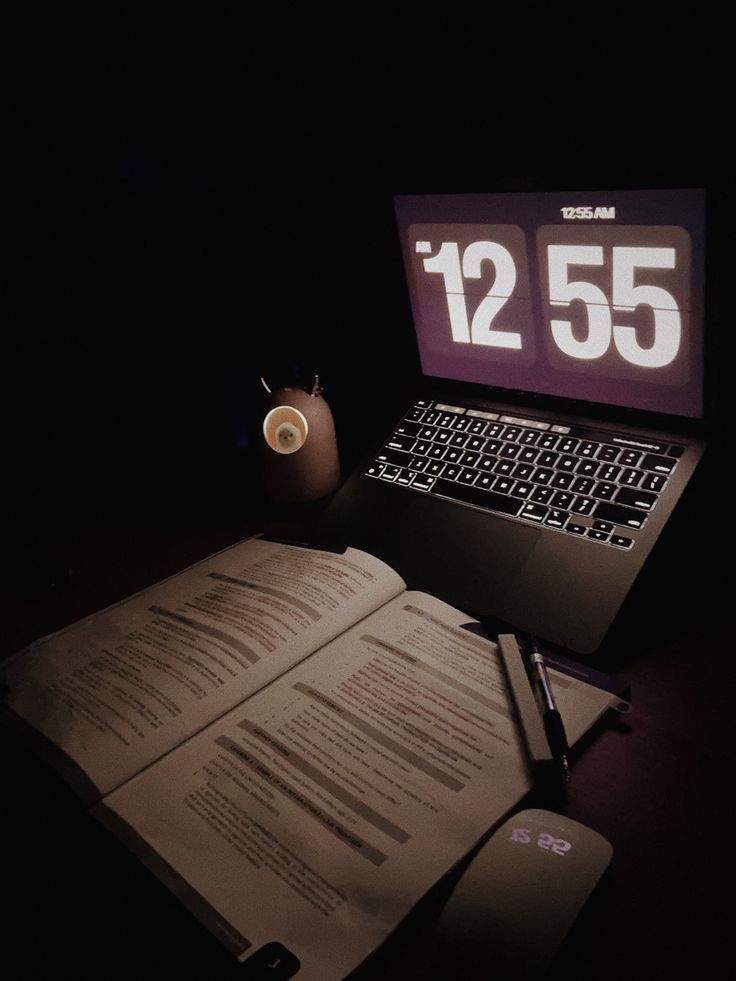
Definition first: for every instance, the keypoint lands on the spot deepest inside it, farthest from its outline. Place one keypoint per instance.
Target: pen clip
(537, 670)
(544, 696)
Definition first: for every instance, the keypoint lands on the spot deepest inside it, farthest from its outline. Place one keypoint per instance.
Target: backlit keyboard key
(636, 498)
(588, 447)
(654, 482)
(620, 541)
(583, 505)
(608, 453)
(542, 495)
(582, 485)
(503, 485)
(510, 451)
(660, 464)
(534, 512)
(489, 500)
(528, 455)
(403, 443)
(548, 441)
(629, 517)
(562, 480)
(587, 468)
(603, 526)
(604, 491)
(469, 459)
(562, 499)
(529, 437)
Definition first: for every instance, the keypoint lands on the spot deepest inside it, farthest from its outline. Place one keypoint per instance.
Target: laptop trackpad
(471, 560)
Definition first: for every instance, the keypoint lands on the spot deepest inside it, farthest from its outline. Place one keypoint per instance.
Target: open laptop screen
(596, 296)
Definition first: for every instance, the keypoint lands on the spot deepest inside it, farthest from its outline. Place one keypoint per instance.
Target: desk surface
(656, 783)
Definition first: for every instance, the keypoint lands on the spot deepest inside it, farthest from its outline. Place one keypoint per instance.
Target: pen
(551, 717)
(526, 704)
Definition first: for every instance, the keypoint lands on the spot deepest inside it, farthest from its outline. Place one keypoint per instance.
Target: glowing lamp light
(285, 429)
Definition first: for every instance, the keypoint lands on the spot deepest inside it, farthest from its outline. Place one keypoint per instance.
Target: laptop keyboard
(594, 483)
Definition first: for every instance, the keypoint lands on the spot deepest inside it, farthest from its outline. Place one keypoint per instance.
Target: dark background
(187, 209)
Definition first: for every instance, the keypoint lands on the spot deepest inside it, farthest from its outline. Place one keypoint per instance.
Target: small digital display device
(594, 296)
(517, 900)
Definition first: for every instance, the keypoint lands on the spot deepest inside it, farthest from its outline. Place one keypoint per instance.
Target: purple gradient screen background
(526, 224)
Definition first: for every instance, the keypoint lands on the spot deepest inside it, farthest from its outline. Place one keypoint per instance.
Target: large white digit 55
(481, 331)
(626, 296)
(447, 263)
(562, 293)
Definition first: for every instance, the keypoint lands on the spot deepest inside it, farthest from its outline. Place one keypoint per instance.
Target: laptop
(561, 341)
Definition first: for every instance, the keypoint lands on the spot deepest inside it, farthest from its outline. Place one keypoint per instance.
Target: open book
(295, 743)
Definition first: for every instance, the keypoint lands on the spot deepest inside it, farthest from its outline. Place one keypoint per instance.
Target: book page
(319, 812)
(121, 688)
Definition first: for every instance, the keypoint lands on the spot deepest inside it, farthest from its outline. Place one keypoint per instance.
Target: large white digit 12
(626, 296)
(562, 292)
(447, 263)
(481, 331)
